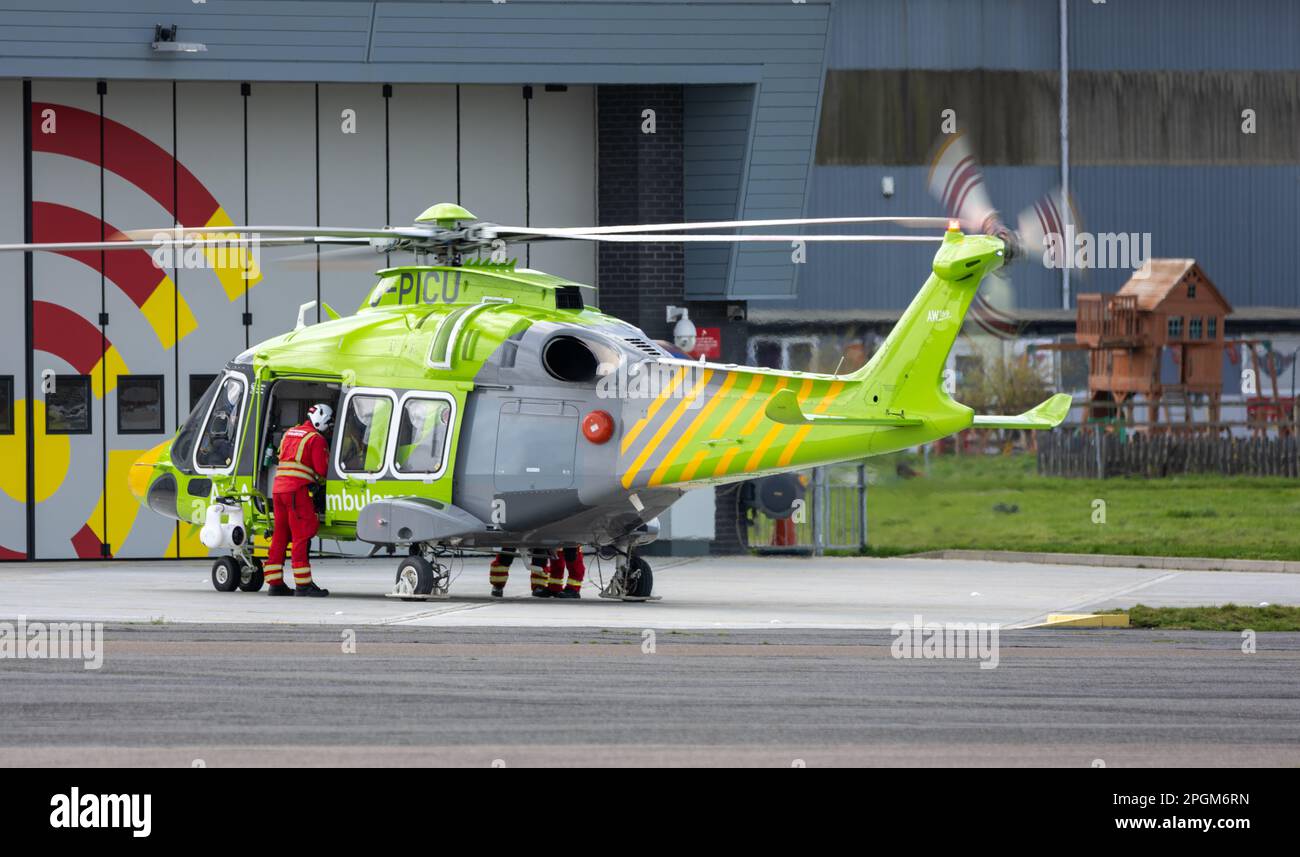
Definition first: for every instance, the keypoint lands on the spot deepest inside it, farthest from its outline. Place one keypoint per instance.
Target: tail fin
(905, 376)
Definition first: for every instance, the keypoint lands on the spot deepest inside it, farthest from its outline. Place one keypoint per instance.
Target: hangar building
(539, 112)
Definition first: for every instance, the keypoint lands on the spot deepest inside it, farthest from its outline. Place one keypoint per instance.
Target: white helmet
(321, 416)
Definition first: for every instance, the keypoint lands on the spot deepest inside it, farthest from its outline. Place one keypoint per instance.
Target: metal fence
(1095, 453)
(834, 515)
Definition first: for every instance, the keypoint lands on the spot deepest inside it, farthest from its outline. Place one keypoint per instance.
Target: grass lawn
(1228, 617)
(953, 506)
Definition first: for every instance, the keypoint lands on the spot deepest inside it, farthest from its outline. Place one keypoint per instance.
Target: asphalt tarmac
(315, 696)
(722, 593)
(754, 662)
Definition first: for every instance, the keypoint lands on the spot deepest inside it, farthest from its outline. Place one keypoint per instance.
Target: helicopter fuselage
(483, 406)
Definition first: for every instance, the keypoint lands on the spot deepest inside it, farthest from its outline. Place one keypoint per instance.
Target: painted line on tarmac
(429, 614)
(1082, 606)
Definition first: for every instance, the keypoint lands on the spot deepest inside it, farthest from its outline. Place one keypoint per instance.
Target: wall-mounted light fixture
(164, 42)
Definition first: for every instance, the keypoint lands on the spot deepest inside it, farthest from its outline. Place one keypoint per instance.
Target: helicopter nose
(141, 474)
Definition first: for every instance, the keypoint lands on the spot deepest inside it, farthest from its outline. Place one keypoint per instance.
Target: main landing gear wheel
(226, 574)
(633, 580)
(252, 577)
(641, 579)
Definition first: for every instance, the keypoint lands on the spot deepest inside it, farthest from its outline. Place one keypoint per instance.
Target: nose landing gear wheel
(251, 577)
(226, 573)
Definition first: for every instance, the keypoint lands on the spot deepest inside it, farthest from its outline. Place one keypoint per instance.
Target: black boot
(279, 589)
(311, 590)
(541, 592)
(498, 592)
(567, 594)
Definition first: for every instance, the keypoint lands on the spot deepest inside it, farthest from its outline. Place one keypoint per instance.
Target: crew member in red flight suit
(304, 460)
(499, 572)
(570, 559)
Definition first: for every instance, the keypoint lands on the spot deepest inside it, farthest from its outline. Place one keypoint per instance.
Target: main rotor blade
(69, 246)
(389, 232)
(914, 222)
(655, 238)
(360, 258)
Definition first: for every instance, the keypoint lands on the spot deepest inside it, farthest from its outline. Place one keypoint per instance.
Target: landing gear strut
(420, 577)
(633, 579)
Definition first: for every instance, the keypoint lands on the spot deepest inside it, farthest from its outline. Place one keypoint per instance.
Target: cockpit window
(422, 437)
(217, 444)
(364, 441)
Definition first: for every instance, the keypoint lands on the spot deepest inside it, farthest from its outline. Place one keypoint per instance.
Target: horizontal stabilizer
(1048, 415)
(784, 408)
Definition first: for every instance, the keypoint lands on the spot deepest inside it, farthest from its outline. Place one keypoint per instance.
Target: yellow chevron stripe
(693, 465)
(652, 410)
(759, 414)
(748, 427)
(793, 446)
(658, 476)
(775, 431)
(754, 384)
(667, 426)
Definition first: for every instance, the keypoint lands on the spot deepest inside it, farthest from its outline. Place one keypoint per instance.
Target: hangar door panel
(562, 177)
(353, 178)
(73, 357)
(141, 303)
(492, 156)
(13, 358)
(213, 299)
(282, 190)
(421, 152)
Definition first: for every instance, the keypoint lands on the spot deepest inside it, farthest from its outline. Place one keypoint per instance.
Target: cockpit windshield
(216, 449)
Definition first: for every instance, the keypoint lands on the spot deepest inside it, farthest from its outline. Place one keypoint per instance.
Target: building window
(1194, 328)
(366, 421)
(1191, 288)
(790, 353)
(140, 404)
(1212, 327)
(6, 404)
(422, 437)
(67, 406)
(199, 385)
(1175, 327)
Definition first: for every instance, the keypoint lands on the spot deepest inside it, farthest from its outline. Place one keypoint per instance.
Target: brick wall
(640, 182)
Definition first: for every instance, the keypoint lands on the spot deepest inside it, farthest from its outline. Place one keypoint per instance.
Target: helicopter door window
(422, 436)
(216, 448)
(363, 442)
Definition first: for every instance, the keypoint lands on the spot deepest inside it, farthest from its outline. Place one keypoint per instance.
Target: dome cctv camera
(684, 330)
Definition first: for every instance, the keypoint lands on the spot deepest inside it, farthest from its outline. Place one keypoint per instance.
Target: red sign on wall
(708, 343)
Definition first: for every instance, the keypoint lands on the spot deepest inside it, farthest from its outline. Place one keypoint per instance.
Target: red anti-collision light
(597, 426)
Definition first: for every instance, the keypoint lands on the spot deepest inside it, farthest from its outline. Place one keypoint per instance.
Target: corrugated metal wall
(716, 134)
(775, 47)
(1157, 89)
(1234, 206)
